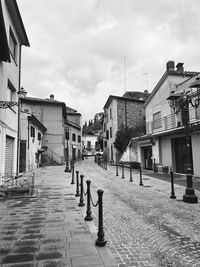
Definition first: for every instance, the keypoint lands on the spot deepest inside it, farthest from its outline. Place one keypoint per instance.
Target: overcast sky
(77, 47)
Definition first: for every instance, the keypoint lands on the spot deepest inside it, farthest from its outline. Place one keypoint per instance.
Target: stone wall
(130, 112)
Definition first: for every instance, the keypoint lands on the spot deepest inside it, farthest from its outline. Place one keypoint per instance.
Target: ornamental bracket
(7, 104)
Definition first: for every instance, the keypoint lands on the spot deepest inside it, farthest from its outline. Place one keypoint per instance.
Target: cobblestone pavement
(143, 226)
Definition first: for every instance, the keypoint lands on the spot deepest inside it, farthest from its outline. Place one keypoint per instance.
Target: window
(73, 137)
(79, 138)
(39, 136)
(110, 132)
(107, 134)
(32, 131)
(104, 127)
(88, 144)
(67, 135)
(11, 92)
(13, 45)
(197, 110)
(110, 113)
(157, 123)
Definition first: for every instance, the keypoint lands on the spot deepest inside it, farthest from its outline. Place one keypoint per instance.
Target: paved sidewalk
(49, 230)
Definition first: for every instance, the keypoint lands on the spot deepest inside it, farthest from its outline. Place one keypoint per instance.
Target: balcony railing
(171, 121)
(162, 124)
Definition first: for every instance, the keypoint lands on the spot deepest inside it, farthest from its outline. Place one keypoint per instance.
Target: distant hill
(93, 126)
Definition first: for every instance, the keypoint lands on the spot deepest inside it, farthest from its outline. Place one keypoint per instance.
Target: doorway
(22, 160)
(147, 150)
(74, 154)
(180, 155)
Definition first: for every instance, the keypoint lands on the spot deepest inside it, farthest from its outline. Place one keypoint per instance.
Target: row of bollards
(141, 180)
(101, 162)
(138, 170)
(100, 242)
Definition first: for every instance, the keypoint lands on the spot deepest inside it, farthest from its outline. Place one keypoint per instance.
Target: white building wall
(159, 100)
(8, 117)
(166, 152)
(75, 144)
(196, 153)
(112, 122)
(32, 144)
(89, 138)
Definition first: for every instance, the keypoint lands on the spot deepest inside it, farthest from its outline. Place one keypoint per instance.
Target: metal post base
(81, 204)
(88, 218)
(100, 243)
(190, 196)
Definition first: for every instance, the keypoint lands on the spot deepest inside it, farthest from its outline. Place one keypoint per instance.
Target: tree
(124, 135)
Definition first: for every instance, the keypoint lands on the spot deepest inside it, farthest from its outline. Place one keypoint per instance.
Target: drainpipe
(18, 114)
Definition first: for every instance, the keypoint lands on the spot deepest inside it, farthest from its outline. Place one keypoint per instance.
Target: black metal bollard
(72, 166)
(106, 165)
(67, 168)
(131, 178)
(77, 184)
(88, 216)
(123, 171)
(117, 173)
(81, 202)
(141, 183)
(154, 165)
(100, 242)
(172, 185)
(33, 184)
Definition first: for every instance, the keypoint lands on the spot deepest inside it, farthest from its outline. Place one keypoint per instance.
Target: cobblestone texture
(143, 226)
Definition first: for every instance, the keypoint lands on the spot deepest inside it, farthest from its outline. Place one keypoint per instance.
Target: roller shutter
(9, 155)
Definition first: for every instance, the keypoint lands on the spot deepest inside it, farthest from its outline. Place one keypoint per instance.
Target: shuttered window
(9, 155)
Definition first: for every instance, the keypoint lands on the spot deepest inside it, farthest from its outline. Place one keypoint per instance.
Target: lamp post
(67, 168)
(180, 102)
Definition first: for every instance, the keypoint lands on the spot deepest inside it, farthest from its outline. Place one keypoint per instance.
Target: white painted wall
(112, 122)
(196, 153)
(8, 117)
(166, 152)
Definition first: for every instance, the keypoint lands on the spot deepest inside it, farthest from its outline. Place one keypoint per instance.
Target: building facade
(52, 115)
(31, 148)
(90, 144)
(12, 37)
(73, 137)
(118, 111)
(163, 148)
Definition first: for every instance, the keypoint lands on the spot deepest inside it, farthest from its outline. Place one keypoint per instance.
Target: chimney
(52, 97)
(170, 65)
(179, 67)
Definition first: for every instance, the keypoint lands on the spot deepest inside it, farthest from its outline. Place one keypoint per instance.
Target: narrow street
(143, 226)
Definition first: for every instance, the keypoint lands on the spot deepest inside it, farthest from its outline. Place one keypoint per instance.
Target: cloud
(78, 46)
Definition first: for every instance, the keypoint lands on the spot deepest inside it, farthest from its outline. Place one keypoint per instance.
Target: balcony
(171, 121)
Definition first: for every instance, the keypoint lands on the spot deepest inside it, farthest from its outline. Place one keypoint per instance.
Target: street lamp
(10, 104)
(67, 169)
(180, 102)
